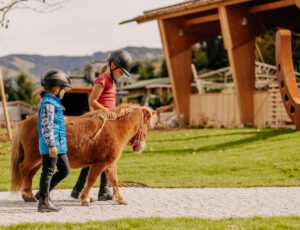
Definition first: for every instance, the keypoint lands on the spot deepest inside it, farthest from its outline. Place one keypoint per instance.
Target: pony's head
(148, 120)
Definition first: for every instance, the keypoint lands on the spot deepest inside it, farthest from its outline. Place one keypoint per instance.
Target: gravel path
(148, 202)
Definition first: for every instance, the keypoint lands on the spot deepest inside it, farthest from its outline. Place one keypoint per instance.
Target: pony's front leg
(94, 173)
(111, 173)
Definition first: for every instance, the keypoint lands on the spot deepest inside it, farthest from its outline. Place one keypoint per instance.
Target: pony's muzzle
(140, 148)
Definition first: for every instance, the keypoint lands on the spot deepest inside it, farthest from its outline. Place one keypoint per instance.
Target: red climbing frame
(286, 76)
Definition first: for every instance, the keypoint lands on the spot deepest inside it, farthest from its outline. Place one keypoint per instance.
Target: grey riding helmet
(122, 59)
(56, 77)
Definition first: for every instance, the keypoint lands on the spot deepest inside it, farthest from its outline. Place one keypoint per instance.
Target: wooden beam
(203, 19)
(179, 66)
(241, 55)
(192, 10)
(176, 36)
(203, 32)
(202, 8)
(3, 98)
(239, 27)
(272, 6)
(225, 28)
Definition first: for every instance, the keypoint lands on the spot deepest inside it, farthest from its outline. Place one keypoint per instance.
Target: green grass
(203, 158)
(176, 223)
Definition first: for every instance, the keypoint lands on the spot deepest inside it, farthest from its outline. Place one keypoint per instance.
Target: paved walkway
(148, 202)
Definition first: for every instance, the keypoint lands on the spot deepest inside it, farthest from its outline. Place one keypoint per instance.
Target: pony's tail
(17, 156)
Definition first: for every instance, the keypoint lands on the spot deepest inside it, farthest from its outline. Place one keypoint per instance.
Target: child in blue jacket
(52, 137)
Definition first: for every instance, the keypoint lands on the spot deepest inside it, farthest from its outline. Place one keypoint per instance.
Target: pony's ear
(150, 116)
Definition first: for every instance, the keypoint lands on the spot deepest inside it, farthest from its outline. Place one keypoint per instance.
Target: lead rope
(100, 129)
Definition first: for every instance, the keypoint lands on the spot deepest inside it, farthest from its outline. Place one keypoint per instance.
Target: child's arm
(47, 119)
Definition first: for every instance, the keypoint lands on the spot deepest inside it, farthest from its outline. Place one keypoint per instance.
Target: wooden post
(239, 40)
(2, 96)
(178, 53)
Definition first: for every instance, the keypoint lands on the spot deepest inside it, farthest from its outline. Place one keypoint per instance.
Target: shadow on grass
(203, 136)
(259, 136)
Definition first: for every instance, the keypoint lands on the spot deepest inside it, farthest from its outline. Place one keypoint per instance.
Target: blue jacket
(51, 125)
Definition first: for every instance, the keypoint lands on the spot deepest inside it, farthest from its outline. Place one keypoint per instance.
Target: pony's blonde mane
(116, 113)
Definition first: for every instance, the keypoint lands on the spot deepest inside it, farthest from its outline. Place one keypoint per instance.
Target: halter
(138, 136)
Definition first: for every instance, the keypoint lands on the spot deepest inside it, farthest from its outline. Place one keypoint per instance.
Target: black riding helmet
(122, 59)
(56, 77)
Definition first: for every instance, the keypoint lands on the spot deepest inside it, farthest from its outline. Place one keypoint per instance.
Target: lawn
(176, 223)
(202, 158)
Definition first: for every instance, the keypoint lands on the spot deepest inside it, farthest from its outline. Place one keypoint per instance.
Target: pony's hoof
(85, 203)
(120, 202)
(28, 199)
(123, 202)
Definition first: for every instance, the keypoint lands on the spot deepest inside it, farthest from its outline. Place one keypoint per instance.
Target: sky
(81, 27)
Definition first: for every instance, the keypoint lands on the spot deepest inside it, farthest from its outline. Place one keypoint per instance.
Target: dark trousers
(82, 179)
(48, 181)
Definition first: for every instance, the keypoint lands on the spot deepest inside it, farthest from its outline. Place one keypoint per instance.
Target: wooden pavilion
(238, 21)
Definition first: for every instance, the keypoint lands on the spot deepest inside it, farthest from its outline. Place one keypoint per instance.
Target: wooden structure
(265, 78)
(216, 110)
(76, 102)
(17, 111)
(238, 21)
(139, 91)
(4, 106)
(286, 76)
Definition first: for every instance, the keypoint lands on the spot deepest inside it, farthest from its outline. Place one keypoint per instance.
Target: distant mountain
(35, 65)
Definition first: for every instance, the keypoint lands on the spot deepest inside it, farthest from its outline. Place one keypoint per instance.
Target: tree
(216, 54)
(199, 57)
(164, 69)
(146, 71)
(210, 54)
(266, 44)
(135, 67)
(41, 6)
(23, 89)
(296, 51)
(10, 91)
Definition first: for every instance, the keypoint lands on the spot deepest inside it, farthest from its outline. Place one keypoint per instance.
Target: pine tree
(164, 69)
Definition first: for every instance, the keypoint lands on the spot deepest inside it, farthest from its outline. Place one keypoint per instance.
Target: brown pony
(95, 139)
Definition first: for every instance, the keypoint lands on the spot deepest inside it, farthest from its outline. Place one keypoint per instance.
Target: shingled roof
(154, 13)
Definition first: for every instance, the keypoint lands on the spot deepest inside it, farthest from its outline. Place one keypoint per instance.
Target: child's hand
(53, 152)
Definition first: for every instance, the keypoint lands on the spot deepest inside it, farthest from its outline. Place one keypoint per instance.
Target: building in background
(17, 110)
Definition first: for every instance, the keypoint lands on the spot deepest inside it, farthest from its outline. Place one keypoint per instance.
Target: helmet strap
(112, 71)
(58, 92)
